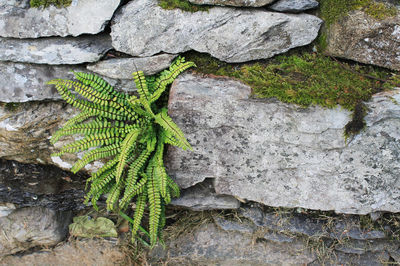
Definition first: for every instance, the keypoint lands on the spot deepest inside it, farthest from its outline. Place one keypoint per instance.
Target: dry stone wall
(245, 150)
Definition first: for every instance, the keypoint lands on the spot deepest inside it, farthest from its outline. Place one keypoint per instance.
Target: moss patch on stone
(181, 4)
(305, 79)
(46, 3)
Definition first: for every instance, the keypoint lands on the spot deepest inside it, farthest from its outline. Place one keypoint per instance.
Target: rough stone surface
(18, 20)
(361, 38)
(283, 155)
(209, 245)
(229, 34)
(293, 5)
(29, 227)
(299, 224)
(239, 3)
(55, 50)
(122, 68)
(6, 208)
(84, 252)
(203, 197)
(25, 130)
(28, 185)
(27, 82)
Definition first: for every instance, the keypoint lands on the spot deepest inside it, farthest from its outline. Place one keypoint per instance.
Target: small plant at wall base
(131, 133)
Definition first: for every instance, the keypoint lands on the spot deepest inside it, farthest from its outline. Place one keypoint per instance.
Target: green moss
(46, 3)
(181, 4)
(11, 107)
(306, 79)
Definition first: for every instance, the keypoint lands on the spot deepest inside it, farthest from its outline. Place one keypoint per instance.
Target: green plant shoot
(130, 133)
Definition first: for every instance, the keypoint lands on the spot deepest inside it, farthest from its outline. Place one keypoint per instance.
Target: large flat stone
(18, 20)
(283, 155)
(55, 50)
(229, 34)
(362, 38)
(22, 82)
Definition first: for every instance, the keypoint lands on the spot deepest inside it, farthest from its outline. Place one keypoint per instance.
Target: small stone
(293, 6)
(6, 209)
(238, 3)
(203, 197)
(29, 227)
(85, 226)
(122, 68)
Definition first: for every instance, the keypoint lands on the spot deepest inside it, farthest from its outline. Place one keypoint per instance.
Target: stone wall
(247, 152)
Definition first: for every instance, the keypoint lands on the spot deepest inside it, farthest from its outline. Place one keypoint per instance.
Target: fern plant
(131, 133)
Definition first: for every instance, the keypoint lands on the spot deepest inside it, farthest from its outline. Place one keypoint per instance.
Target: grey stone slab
(283, 155)
(122, 68)
(22, 82)
(18, 20)
(229, 34)
(202, 197)
(238, 3)
(55, 50)
(294, 6)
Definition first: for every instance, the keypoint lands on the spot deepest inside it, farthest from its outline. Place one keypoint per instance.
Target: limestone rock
(25, 130)
(364, 39)
(83, 252)
(293, 5)
(122, 68)
(202, 196)
(283, 155)
(229, 34)
(239, 3)
(209, 245)
(27, 82)
(18, 20)
(29, 227)
(55, 50)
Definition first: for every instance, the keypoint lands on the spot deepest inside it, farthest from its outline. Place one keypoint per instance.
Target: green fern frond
(137, 217)
(130, 133)
(166, 122)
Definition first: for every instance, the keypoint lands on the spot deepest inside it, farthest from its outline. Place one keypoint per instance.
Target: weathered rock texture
(293, 5)
(18, 20)
(239, 3)
(25, 130)
(85, 252)
(202, 196)
(231, 35)
(29, 227)
(362, 38)
(282, 155)
(54, 50)
(23, 82)
(122, 68)
(210, 245)
(30, 185)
